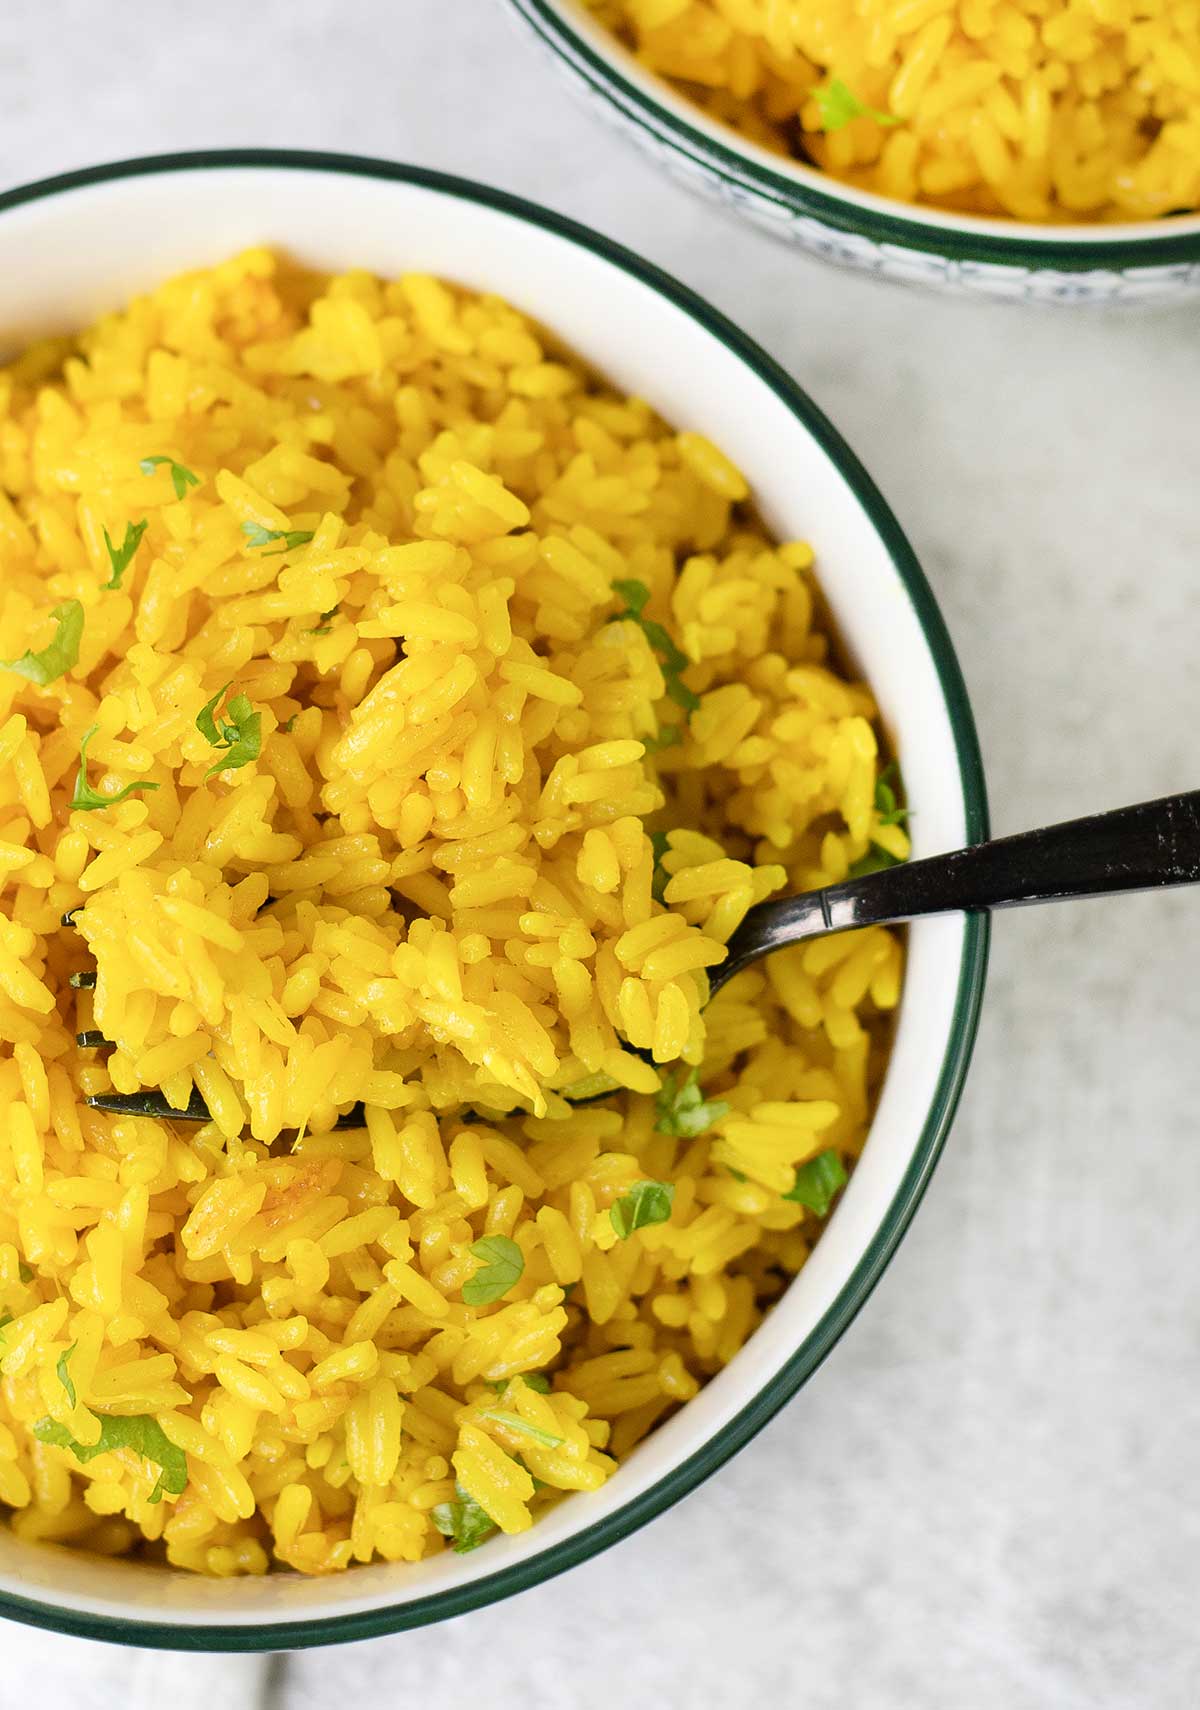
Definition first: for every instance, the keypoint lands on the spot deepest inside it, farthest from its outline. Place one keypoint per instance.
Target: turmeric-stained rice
(405, 720)
(1045, 110)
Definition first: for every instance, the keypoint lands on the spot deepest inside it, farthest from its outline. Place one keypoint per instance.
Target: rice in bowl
(427, 742)
(1047, 111)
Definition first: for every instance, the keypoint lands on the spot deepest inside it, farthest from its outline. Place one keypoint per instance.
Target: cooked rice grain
(434, 891)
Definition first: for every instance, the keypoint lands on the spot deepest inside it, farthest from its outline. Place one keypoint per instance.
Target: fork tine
(153, 1104)
(150, 1104)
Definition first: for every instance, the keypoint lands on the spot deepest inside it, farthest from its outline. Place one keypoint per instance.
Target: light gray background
(986, 1500)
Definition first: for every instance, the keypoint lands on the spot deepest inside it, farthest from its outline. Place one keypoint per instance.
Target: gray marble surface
(986, 1499)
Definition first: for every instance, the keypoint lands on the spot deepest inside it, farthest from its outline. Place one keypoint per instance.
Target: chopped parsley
(644, 1204)
(64, 1376)
(515, 1423)
(138, 1431)
(86, 799)
(886, 806)
(57, 659)
(121, 557)
(817, 1181)
(683, 1109)
(875, 860)
(324, 626)
(667, 736)
(839, 105)
(463, 1521)
(503, 1264)
(674, 661)
(181, 477)
(257, 535)
(535, 1380)
(238, 730)
(889, 812)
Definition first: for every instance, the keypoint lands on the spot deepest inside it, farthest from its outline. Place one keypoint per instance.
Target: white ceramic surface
(968, 254)
(62, 261)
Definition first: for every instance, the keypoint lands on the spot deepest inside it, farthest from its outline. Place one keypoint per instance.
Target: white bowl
(73, 247)
(1146, 261)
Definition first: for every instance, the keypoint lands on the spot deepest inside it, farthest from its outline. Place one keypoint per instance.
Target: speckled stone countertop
(986, 1498)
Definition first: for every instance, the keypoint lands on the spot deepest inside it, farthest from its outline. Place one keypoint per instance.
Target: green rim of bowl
(441, 1605)
(739, 169)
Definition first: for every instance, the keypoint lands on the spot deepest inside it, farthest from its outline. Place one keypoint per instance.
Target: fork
(1145, 847)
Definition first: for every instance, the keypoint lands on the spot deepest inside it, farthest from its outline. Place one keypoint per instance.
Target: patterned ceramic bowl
(1149, 261)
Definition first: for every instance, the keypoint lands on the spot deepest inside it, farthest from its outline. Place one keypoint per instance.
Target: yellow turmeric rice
(405, 720)
(1045, 110)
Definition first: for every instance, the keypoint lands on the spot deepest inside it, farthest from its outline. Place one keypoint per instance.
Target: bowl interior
(607, 64)
(71, 250)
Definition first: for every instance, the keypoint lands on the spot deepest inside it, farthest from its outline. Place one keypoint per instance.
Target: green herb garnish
(86, 799)
(257, 535)
(238, 731)
(464, 1521)
(667, 736)
(817, 1181)
(673, 660)
(516, 1423)
(139, 1432)
(503, 1265)
(839, 105)
(121, 557)
(886, 806)
(63, 652)
(535, 1380)
(324, 626)
(24, 1271)
(875, 860)
(181, 477)
(683, 1109)
(64, 1376)
(644, 1204)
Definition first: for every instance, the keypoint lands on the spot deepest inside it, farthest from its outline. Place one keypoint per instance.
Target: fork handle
(1136, 848)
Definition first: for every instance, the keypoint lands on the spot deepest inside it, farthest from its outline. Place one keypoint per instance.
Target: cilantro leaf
(838, 105)
(666, 736)
(464, 1521)
(636, 596)
(257, 535)
(24, 1271)
(64, 1376)
(817, 1181)
(121, 557)
(86, 799)
(644, 1204)
(63, 652)
(239, 732)
(673, 659)
(875, 860)
(885, 797)
(683, 1110)
(138, 1431)
(535, 1380)
(502, 1267)
(516, 1423)
(324, 626)
(181, 478)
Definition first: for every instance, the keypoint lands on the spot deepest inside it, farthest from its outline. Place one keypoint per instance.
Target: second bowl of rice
(1030, 151)
(426, 631)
